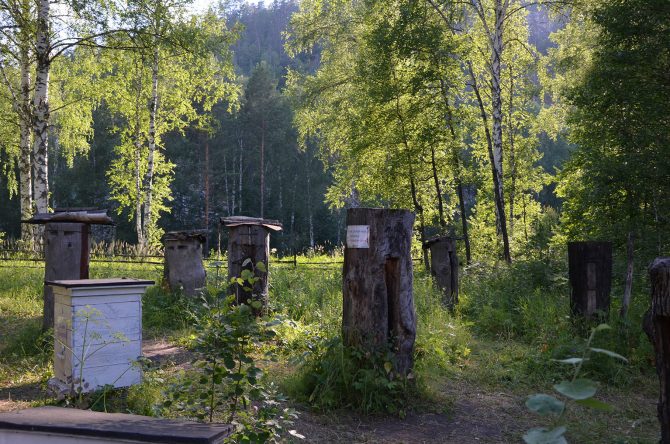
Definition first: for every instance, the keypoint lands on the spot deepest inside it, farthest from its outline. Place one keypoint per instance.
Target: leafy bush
(577, 389)
(335, 376)
(226, 381)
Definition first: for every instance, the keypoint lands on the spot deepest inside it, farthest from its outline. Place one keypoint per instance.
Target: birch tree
(73, 96)
(169, 84)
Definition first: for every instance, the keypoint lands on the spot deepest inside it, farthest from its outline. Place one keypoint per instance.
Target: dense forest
(513, 126)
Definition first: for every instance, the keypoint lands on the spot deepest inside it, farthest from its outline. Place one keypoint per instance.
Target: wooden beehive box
(97, 332)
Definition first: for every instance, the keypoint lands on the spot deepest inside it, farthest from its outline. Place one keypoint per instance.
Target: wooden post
(378, 303)
(66, 253)
(249, 244)
(183, 261)
(444, 267)
(590, 269)
(659, 334)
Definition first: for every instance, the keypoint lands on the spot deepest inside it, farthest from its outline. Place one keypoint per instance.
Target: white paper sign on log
(358, 236)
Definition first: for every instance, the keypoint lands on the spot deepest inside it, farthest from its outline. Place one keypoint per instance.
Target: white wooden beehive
(98, 332)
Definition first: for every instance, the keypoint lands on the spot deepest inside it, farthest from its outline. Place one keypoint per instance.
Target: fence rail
(30, 256)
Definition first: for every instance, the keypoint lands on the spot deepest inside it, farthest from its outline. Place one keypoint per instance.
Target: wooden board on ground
(57, 425)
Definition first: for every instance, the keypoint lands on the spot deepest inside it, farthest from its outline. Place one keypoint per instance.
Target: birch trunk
(496, 111)
(497, 184)
(41, 109)
(153, 109)
(138, 156)
(512, 156)
(25, 161)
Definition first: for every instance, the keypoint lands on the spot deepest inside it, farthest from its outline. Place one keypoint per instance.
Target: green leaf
(595, 404)
(261, 266)
(544, 404)
(229, 362)
(602, 327)
(540, 435)
(572, 361)
(388, 367)
(577, 389)
(608, 353)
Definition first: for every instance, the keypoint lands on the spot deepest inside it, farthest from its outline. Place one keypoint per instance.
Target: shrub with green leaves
(336, 376)
(226, 381)
(577, 390)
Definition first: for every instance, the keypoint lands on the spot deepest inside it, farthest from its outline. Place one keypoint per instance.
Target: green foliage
(226, 380)
(616, 182)
(579, 390)
(335, 376)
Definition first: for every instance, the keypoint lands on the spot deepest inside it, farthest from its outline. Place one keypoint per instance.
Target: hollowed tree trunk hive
(184, 270)
(378, 305)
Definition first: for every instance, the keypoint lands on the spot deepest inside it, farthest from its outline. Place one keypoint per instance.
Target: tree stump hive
(184, 270)
(378, 303)
(658, 331)
(444, 267)
(590, 269)
(249, 244)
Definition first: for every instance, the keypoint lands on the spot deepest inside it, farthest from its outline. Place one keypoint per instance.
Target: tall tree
(169, 84)
(617, 184)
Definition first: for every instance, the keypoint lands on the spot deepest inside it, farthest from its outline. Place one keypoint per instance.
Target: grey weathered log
(590, 269)
(184, 270)
(66, 256)
(378, 302)
(444, 268)
(249, 244)
(659, 334)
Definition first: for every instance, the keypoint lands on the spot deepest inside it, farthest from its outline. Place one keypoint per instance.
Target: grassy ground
(474, 369)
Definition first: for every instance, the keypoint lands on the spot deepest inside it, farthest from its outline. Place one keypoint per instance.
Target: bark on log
(590, 269)
(184, 269)
(444, 268)
(378, 303)
(249, 244)
(659, 274)
(66, 256)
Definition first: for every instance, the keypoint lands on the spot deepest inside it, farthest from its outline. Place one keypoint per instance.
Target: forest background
(513, 126)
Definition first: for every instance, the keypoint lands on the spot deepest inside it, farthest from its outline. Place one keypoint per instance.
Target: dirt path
(480, 417)
(470, 414)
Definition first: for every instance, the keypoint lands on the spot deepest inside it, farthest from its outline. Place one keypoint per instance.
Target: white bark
(25, 148)
(138, 157)
(41, 109)
(496, 111)
(148, 186)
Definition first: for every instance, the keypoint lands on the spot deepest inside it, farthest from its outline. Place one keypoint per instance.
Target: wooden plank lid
(85, 423)
(87, 283)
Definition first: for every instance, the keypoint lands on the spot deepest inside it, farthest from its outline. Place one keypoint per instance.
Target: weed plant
(328, 375)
